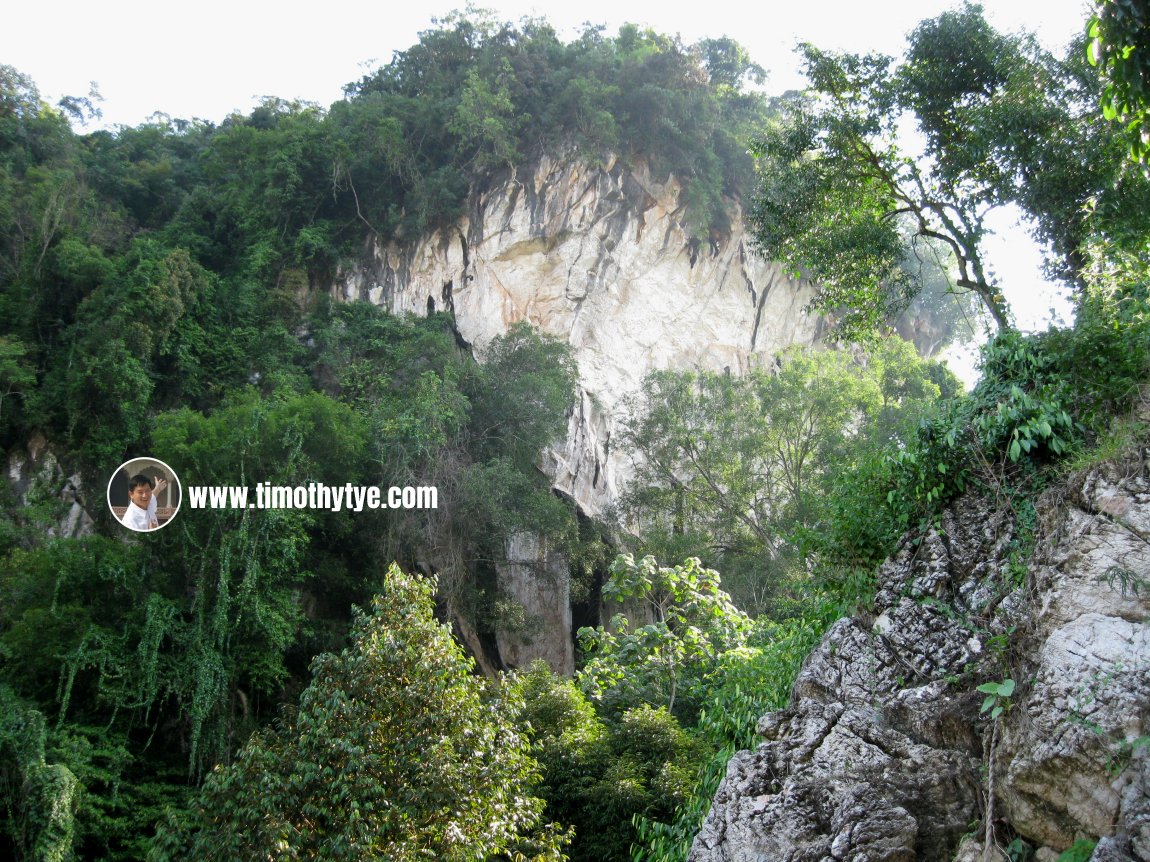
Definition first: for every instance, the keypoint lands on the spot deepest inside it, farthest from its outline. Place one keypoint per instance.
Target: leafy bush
(1040, 398)
(599, 775)
(396, 751)
(749, 682)
(40, 798)
(692, 624)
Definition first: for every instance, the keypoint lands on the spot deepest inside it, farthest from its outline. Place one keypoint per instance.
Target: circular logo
(144, 494)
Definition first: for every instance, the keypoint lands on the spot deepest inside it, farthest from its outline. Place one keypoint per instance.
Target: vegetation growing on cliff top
(154, 288)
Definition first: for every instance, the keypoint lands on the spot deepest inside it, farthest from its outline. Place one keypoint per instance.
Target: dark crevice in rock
(761, 301)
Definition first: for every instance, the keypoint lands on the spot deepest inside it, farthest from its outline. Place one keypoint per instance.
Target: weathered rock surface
(536, 578)
(598, 256)
(1071, 764)
(881, 754)
(36, 477)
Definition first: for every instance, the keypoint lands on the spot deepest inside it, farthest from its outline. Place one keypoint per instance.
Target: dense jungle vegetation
(260, 684)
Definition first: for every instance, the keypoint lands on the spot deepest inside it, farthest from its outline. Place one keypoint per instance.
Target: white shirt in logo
(140, 519)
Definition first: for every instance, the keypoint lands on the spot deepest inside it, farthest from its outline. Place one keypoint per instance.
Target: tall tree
(397, 752)
(730, 469)
(844, 197)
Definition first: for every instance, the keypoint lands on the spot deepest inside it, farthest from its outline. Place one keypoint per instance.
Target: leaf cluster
(846, 200)
(689, 623)
(396, 751)
(1119, 34)
(1041, 398)
(477, 94)
(997, 698)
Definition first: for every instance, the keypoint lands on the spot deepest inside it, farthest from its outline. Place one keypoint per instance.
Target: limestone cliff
(599, 256)
(883, 753)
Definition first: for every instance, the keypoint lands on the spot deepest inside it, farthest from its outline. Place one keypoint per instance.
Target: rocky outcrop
(1073, 756)
(884, 754)
(597, 255)
(535, 578)
(42, 485)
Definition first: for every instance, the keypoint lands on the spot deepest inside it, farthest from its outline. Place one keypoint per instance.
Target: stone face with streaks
(598, 256)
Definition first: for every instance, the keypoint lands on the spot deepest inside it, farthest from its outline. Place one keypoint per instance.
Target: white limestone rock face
(876, 758)
(36, 476)
(596, 255)
(1073, 763)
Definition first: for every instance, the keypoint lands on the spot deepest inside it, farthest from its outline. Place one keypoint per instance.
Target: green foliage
(692, 622)
(1021, 421)
(194, 638)
(402, 376)
(63, 613)
(485, 120)
(157, 290)
(521, 394)
(597, 776)
(741, 470)
(842, 202)
(396, 752)
(997, 697)
(16, 377)
(1119, 34)
(1041, 397)
(247, 566)
(834, 192)
(750, 681)
(479, 94)
(1080, 851)
(40, 797)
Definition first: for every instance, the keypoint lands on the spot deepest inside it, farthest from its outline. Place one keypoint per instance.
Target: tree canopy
(846, 199)
(738, 469)
(396, 752)
(1120, 49)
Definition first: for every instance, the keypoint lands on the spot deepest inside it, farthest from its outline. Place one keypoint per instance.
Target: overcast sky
(207, 59)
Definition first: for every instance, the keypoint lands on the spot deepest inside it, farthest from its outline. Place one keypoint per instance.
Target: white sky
(210, 58)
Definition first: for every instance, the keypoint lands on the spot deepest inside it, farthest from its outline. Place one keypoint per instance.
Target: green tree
(520, 394)
(485, 120)
(736, 470)
(16, 378)
(597, 775)
(40, 798)
(1119, 47)
(245, 568)
(397, 751)
(689, 623)
(1003, 122)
